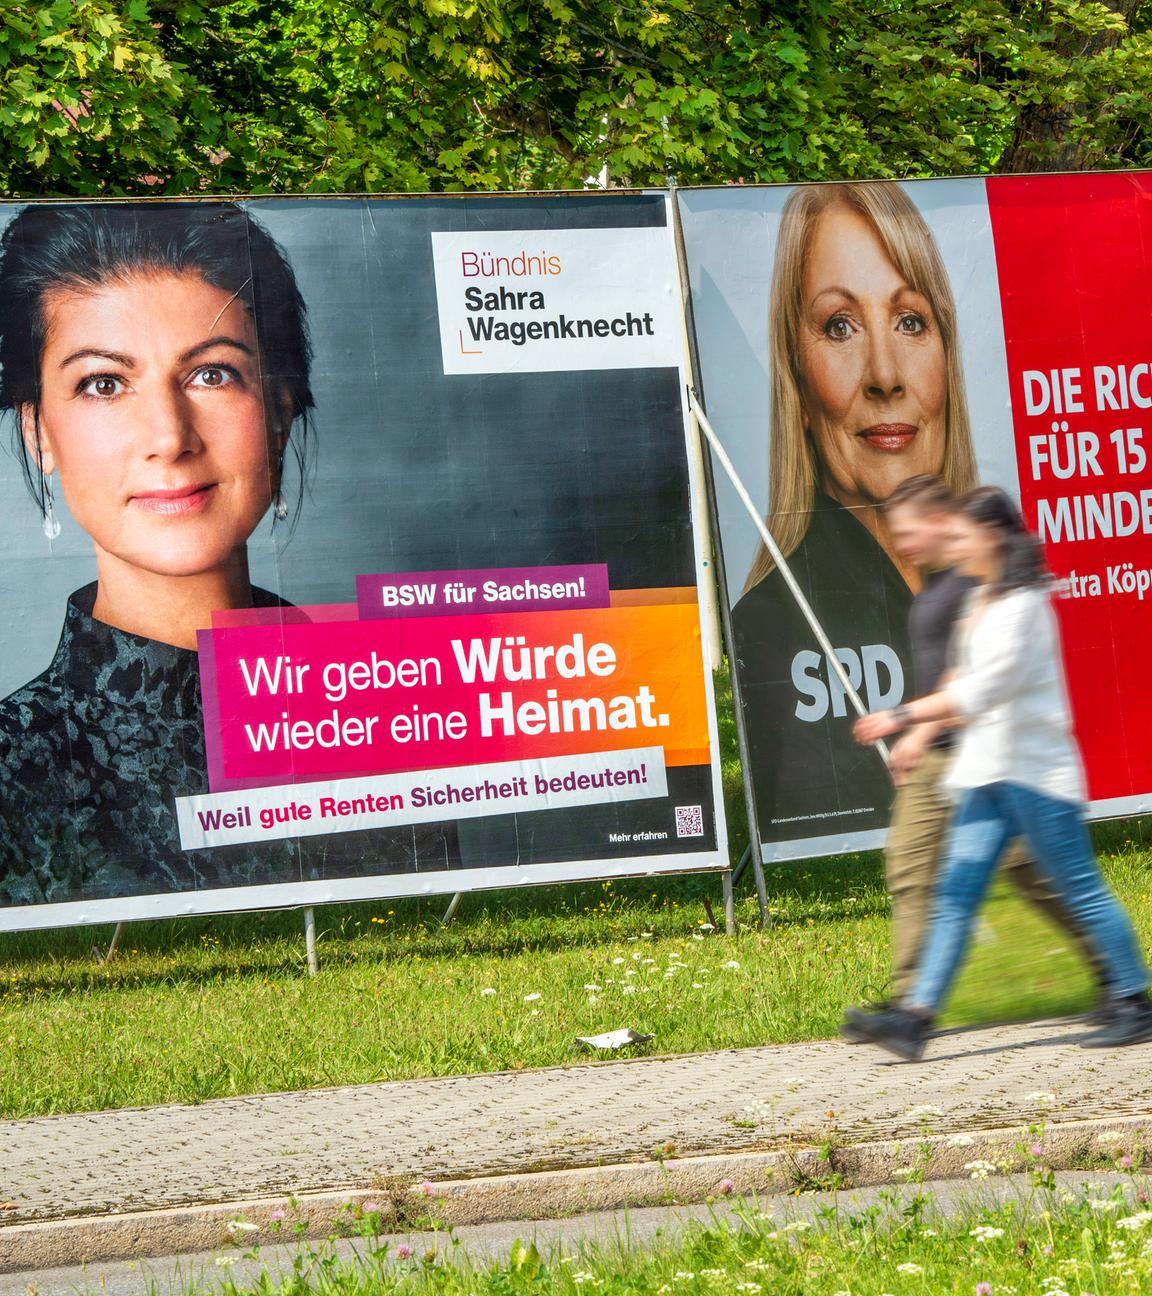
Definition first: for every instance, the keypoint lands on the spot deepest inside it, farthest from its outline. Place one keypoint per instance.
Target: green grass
(1038, 1241)
(203, 1008)
(206, 1008)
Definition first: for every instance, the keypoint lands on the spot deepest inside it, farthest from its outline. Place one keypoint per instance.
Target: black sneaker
(1131, 1023)
(851, 1030)
(1103, 1014)
(897, 1030)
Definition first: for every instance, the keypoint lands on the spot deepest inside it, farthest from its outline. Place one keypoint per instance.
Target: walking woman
(1017, 773)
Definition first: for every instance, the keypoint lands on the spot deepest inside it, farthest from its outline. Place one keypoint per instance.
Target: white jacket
(1009, 687)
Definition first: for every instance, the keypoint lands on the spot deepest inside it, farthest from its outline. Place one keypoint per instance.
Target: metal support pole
(310, 941)
(453, 905)
(110, 953)
(781, 563)
(729, 903)
(745, 860)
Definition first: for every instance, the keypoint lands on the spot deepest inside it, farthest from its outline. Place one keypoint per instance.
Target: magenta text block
(485, 589)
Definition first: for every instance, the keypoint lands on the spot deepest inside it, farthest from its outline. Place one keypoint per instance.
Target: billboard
(850, 336)
(350, 552)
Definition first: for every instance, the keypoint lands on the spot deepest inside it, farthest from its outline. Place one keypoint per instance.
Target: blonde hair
(909, 244)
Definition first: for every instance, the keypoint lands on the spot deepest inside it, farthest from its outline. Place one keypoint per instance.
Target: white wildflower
(1138, 1221)
(488, 990)
(797, 1226)
(908, 1267)
(1044, 1097)
(617, 961)
(241, 1226)
(1102, 1204)
(733, 965)
(591, 988)
(979, 1169)
(986, 1233)
(924, 1112)
(531, 998)
(961, 1140)
(628, 989)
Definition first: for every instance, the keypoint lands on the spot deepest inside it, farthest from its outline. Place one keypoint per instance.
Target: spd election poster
(853, 335)
(350, 553)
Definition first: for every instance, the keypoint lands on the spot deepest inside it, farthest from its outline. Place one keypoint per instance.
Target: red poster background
(1074, 258)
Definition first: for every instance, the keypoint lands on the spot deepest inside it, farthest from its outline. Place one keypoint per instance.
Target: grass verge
(1038, 1241)
(210, 1008)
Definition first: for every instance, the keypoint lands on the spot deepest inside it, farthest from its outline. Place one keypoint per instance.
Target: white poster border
(380, 886)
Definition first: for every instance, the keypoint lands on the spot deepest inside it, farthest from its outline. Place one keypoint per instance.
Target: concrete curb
(554, 1194)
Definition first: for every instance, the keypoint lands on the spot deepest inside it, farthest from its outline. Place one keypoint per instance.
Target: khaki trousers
(920, 815)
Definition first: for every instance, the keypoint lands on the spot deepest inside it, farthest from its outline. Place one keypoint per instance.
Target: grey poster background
(412, 469)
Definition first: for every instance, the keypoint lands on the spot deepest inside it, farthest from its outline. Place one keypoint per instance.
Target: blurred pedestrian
(1016, 774)
(919, 515)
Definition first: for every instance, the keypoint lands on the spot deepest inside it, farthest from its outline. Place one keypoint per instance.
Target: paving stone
(564, 1117)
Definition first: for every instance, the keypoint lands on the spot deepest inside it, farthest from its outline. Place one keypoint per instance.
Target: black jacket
(809, 776)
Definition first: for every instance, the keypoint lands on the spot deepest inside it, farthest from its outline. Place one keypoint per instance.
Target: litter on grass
(613, 1040)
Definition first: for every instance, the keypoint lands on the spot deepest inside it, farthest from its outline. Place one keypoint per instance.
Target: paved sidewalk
(587, 1115)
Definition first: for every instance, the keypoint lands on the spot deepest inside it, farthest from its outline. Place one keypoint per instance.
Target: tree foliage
(122, 97)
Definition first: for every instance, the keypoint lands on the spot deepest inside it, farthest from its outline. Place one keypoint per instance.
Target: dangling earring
(280, 505)
(51, 522)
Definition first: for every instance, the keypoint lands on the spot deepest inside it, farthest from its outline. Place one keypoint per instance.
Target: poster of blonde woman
(851, 336)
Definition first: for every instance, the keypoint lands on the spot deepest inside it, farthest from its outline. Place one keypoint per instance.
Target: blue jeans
(985, 820)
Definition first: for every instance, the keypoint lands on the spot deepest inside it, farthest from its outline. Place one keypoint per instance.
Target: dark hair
(87, 245)
(925, 491)
(1021, 556)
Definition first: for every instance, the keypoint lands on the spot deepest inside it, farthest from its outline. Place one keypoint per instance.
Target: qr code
(689, 821)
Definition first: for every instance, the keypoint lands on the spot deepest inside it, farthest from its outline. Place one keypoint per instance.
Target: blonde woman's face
(873, 374)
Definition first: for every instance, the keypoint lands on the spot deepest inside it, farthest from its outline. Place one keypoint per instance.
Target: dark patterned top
(93, 754)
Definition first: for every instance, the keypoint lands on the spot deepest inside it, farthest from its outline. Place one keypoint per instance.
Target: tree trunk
(1041, 141)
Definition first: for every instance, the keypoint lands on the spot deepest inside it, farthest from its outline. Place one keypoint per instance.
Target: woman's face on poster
(873, 373)
(153, 413)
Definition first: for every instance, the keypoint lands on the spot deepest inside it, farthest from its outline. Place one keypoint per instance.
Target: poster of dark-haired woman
(241, 435)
